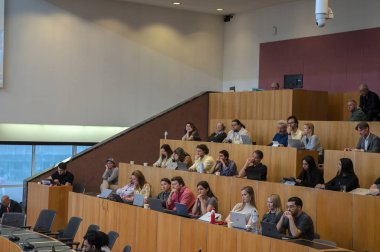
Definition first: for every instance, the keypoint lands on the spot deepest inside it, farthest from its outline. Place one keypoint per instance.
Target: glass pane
(82, 148)
(15, 163)
(14, 193)
(48, 155)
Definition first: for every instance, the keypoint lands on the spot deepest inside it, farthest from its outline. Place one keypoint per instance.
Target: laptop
(246, 139)
(238, 220)
(156, 205)
(270, 230)
(275, 143)
(138, 200)
(105, 194)
(181, 210)
(182, 166)
(295, 143)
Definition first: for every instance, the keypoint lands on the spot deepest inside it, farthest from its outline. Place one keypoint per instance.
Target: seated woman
(224, 166)
(219, 135)
(282, 135)
(310, 175)
(311, 141)
(180, 156)
(165, 191)
(275, 210)
(141, 186)
(128, 190)
(191, 133)
(166, 157)
(344, 177)
(253, 168)
(375, 188)
(206, 200)
(203, 162)
(248, 206)
(110, 175)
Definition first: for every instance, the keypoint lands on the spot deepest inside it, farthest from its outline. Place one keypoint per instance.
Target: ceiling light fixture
(220, 9)
(177, 3)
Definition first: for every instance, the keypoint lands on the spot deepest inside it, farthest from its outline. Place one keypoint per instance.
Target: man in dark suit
(8, 205)
(368, 142)
(369, 103)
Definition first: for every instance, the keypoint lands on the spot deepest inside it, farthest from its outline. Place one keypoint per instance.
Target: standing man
(368, 142)
(369, 102)
(62, 176)
(8, 206)
(180, 194)
(356, 113)
(295, 221)
(110, 176)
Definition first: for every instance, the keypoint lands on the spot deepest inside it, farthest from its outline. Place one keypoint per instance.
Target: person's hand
(289, 129)
(298, 181)
(249, 160)
(320, 186)
(56, 181)
(288, 214)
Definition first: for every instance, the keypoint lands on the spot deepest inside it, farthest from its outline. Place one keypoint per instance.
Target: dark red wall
(336, 62)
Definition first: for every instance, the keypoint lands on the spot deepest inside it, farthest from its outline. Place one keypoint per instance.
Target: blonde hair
(281, 123)
(249, 190)
(310, 126)
(276, 200)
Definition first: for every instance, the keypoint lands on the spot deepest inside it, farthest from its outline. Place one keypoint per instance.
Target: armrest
(65, 240)
(26, 227)
(52, 234)
(71, 243)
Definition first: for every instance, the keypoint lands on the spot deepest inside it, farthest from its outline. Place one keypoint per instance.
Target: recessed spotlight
(177, 3)
(220, 9)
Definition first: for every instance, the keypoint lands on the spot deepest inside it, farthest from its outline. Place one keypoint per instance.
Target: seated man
(293, 131)
(110, 175)
(295, 221)
(165, 191)
(282, 136)
(92, 241)
(180, 194)
(356, 113)
(275, 86)
(369, 103)
(234, 135)
(203, 163)
(128, 190)
(62, 176)
(375, 188)
(253, 168)
(368, 142)
(8, 205)
(219, 135)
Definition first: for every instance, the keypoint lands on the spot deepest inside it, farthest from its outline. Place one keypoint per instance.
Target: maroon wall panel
(336, 62)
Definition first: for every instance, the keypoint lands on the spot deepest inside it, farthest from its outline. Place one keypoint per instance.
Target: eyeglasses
(234, 124)
(291, 206)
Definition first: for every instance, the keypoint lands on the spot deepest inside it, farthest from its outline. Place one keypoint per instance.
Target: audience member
(375, 188)
(234, 135)
(345, 179)
(8, 206)
(310, 175)
(248, 206)
(368, 142)
(205, 201)
(275, 86)
(219, 135)
(202, 161)
(311, 141)
(110, 175)
(274, 209)
(141, 186)
(180, 156)
(104, 241)
(282, 135)
(92, 241)
(369, 103)
(224, 166)
(293, 131)
(295, 221)
(180, 194)
(127, 191)
(165, 191)
(62, 176)
(166, 157)
(253, 168)
(356, 113)
(191, 133)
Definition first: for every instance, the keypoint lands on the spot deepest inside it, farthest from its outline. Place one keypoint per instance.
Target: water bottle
(201, 167)
(255, 220)
(212, 221)
(166, 134)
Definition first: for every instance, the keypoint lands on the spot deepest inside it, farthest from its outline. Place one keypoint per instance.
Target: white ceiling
(210, 6)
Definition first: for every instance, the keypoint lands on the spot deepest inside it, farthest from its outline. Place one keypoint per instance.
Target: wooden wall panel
(168, 239)
(193, 235)
(146, 238)
(216, 239)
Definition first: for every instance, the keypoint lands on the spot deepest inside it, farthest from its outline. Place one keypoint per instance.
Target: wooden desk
(8, 246)
(148, 230)
(281, 162)
(47, 197)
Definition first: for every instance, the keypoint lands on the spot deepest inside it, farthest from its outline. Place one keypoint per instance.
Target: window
(15, 164)
(48, 155)
(81, 148)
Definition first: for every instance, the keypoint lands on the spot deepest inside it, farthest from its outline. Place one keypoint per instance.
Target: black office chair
(127, 248)
(68, 234)
(79, 188)
(112, 237)
(13, 219)
(44, 222)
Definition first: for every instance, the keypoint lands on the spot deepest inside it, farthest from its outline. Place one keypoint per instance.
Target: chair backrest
(127, 249)
(13, 219)
(112, 237)
(71, 228)
(92, 227)
(45, 221)
(78, 188)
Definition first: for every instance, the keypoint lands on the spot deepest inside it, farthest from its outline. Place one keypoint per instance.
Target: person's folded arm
(114, 175)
